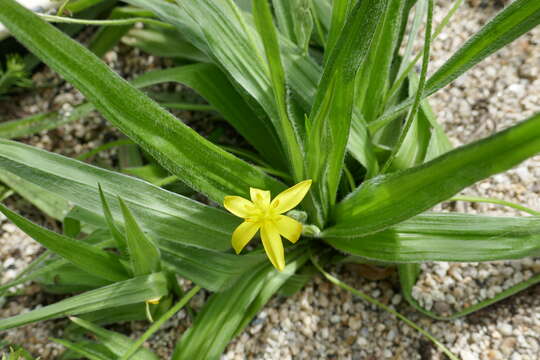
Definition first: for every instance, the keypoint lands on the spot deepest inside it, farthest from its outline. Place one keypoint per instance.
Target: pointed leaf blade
(143, 253)
(131, 291)
(177, 147)
(389, 199)
(86, 257)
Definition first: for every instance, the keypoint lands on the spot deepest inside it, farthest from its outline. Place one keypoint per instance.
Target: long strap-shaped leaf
(143, 253)
(212, 84)
(389, 199)
(333, 107)
(131, 291)
(178, 148)
(90, 350)
(86, 257)
(447, 237)
(163, 214)
(514, 21)
(518, 18)
(227, 313)
(303, 73)
(290, 136)
(373, 82)
(190, 235)
(117, 343)
(232, 43)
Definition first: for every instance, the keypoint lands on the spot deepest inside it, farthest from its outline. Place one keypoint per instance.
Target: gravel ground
(323, 321)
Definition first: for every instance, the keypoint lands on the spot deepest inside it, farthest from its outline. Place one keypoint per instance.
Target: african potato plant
(329, 97)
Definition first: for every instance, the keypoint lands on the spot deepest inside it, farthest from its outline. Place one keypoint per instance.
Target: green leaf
(46, 270)
(86, 349)
(438, 143)
(46, 201)
(426, 139)
(86, 257)
(115, 342)
(59, 277)
(233, 45)
(295, 20)
(411, 116)
(330, 117)
(211, 83)
(445, 237)
(164, 215)
(284, 12)
(121, 293)
(303, 26)
(340, 12)
(297, 281)
(512, 22)
(178, 148)
(374, 80)
(71, 227)
(389, 199)
(323, 9)
(228, 312)
(303, 72)
(172, 310)
(290, 137)
(164, 43)
(190, 235)
(132, 312)
(360, 146)
(212, 270)
(143, 253)
(116, 234)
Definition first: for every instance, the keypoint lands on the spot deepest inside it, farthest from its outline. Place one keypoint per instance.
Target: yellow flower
(261, 213)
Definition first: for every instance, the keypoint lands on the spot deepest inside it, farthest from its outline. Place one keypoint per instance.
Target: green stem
(118, 22)
(159, 322)
(497, 202)
(388, 309)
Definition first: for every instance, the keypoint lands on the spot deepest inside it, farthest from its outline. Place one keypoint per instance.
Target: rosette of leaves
(325, 96)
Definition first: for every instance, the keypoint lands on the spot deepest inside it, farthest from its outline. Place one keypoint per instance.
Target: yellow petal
(242, 234)
(288, 228)
(260, 197)
(291, 197)
(273, 245)
(238, 206)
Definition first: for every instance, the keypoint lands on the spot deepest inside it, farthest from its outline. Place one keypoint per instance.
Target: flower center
(263, 213)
